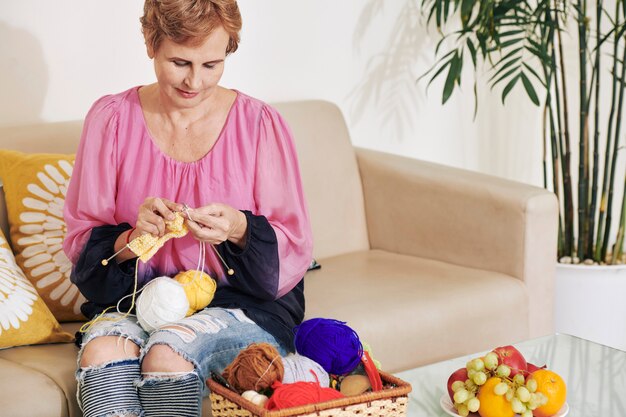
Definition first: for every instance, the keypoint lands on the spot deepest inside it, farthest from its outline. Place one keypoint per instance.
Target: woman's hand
(150, 219)
(152, 215)
(217, 223)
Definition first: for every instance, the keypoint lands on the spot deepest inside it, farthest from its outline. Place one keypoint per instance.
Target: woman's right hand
(150, 219)
(152, 215)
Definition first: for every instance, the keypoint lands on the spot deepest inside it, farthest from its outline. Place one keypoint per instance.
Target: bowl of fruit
(503, 384)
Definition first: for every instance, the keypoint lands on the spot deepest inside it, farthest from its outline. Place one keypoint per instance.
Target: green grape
(471, 373)
(479, 378)
(533, 403)
(503, 371)
(501, 388)
(531, 384)
(519, 379)
(517, 406)
(542, 398)
(473, 404)
(478, 364)
(523, 394)
(461, 396)
(462, 410)
(527, 413)
(457, 385)
(469, 365)
(471, 385)
(491, 361)
(509, 394)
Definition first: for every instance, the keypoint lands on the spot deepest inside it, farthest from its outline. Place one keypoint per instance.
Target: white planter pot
(590, 302)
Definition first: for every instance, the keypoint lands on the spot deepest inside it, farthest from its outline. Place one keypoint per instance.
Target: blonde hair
(189, 21)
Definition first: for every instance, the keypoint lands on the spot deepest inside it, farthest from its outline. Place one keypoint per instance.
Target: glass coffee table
(595, 376)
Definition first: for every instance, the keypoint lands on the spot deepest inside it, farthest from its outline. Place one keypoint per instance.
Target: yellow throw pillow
(24, 317)
(34, 188)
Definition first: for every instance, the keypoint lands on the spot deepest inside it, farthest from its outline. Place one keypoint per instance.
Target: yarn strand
(100, 317)
(264, 372)
(229, 270)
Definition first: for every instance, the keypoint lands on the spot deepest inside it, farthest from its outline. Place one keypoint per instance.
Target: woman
(149, 152)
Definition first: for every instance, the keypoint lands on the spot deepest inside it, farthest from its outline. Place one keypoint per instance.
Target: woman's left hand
(216, 223)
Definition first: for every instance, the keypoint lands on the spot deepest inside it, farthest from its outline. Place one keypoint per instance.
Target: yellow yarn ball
(199, 288)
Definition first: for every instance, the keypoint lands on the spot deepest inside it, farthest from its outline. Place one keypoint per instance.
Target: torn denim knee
(124, 339)
(111, 324)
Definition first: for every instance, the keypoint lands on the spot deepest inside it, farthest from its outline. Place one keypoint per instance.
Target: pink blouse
(252, 166)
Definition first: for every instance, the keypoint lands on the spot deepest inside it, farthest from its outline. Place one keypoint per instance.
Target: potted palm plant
(524, 44)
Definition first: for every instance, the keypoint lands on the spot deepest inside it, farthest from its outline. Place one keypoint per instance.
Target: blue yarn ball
(330, 343)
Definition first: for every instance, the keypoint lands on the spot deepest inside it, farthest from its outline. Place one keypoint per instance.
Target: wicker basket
(390, 402)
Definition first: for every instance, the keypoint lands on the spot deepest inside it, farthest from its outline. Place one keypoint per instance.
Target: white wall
(364, 55)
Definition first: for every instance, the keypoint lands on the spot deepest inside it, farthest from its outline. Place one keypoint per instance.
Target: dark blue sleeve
(102, 285)
(256, 265)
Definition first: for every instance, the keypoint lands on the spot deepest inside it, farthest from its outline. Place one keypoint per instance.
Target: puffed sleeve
(89, 213)
(279, 242)
(90, 198)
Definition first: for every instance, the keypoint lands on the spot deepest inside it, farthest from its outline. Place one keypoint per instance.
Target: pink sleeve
(90, 199)
(280, 198)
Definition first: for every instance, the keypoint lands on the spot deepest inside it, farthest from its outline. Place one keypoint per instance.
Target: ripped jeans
(209, 339)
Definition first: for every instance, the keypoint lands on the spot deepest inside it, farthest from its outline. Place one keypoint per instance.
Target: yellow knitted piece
(199, 287)
(145, 246)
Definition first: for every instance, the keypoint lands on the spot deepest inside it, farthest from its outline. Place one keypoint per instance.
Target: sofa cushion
(57, 363)
(34, 188)
(26, 392)
(24, 317)
(426, 304)
(330, 177)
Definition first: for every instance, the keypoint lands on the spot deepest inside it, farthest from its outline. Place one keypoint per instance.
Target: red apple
(458, 375)
(530, 368)
(512, 358)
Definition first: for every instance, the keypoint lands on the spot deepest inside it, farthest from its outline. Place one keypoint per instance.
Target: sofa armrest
(466, 218)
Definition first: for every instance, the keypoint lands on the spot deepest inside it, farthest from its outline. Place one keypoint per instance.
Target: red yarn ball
(299, 393)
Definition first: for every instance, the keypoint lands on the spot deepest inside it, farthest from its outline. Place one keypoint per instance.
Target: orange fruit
(492, 405)
(552, 386)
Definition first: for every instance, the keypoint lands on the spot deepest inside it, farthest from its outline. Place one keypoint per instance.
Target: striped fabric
(110, 390)
(171, 397)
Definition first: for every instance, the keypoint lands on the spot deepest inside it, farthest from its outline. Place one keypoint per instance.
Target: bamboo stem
(601, 243)
(596, 136)
(544, 142)
(583, 132)
(549, 74)
(568, 203)
(618, 125)
(619, 242)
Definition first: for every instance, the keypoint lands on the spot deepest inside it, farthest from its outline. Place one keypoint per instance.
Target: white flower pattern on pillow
(17, 295)
(45, 228)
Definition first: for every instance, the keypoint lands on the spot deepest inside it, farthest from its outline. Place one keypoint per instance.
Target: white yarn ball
(300, 368)
(162, 301)
(255, 397)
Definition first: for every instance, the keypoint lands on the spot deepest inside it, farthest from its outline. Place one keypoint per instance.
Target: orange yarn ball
(255, 368)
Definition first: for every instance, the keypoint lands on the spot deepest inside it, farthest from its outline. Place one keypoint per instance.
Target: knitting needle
(229, 271)
(105, 262)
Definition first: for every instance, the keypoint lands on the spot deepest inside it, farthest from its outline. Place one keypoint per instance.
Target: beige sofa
(425, 262)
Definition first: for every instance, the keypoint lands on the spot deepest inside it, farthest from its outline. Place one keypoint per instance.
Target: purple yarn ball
(330, 343)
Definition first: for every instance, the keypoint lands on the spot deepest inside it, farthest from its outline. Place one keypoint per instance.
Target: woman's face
(187, 74)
